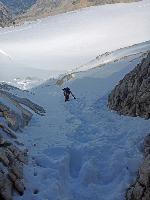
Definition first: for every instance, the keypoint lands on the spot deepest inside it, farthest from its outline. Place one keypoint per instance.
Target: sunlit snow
(65, 41)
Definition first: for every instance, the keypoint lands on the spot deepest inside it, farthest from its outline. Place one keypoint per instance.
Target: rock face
(132, 95)
(13, 117)
(18, 6)
(5, 15)
(140, 190)
(11, 169)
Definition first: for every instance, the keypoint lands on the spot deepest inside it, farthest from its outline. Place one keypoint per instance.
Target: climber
(67, 93)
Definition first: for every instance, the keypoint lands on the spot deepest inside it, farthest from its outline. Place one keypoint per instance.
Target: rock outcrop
(140, 190)
(11, 168)
(18, 6)
(132, 95)
(5, 16)
(15, 113)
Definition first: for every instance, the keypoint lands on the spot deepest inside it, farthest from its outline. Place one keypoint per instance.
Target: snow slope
(63, 42)
(109, 57)
(80, 150)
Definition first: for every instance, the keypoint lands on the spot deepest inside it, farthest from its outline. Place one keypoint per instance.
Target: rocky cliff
(5, 15)
(18, 6)
(132, 95)
(15, 114)
(140, 190)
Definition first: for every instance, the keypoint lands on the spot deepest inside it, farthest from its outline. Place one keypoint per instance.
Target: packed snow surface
(80, 150)
(63, 42)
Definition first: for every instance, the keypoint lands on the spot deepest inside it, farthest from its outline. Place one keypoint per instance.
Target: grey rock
(5, 15)
(140, 190)
(18, 6)
(19, 185)
(12, 159)
(11, 172)
(132, 95)
(3, 157)
(5, 187)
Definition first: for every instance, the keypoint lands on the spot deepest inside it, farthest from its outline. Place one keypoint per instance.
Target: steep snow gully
(80, 150)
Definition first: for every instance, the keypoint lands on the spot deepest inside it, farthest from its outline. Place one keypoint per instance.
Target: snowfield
(59, 43)
(80, 150)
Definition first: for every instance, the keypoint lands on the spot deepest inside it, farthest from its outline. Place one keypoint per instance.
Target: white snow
(66, 41)
(109, 57)
(80, 150)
